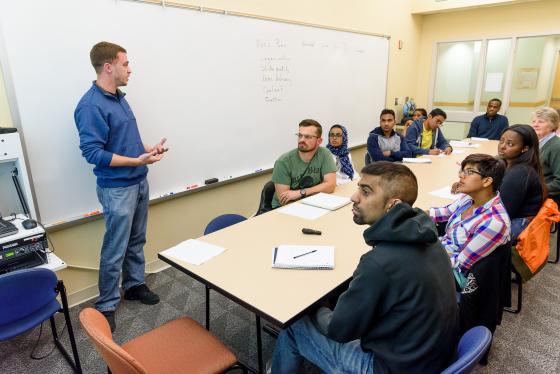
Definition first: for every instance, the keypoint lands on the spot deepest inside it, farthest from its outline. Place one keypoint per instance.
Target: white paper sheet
(463, 144)
(193, 251)
(303, 211)
(479, 139)
(445, 193)
(326, 201)
(303, 257)
(494, 82)
(418, 160)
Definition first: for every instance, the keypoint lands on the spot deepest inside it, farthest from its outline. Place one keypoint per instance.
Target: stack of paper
(463, 144)
(193, 251)
(303, 257)
(418, 160)
(326, 201)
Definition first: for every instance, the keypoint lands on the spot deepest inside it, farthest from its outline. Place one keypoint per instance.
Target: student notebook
(326, 201)
(313, 257)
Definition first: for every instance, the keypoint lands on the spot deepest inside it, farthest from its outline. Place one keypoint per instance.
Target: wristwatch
(302, 193)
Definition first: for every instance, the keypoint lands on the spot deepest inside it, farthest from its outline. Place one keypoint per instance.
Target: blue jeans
(303, 340)
(126, 215)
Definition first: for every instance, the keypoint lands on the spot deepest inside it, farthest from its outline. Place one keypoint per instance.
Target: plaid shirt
(468, 240)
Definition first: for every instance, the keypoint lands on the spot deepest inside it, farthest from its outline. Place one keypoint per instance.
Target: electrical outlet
(396, 101)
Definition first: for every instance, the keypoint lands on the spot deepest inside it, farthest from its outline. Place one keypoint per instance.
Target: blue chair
(218, 223)
(472, 347)
(27, 299)
(223, 221)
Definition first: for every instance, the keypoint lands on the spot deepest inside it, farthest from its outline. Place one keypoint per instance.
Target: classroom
(224, 82)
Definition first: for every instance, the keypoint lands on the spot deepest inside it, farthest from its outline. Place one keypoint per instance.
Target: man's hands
(287, 196)
(387, 153)
(153, 154)
(434, 152)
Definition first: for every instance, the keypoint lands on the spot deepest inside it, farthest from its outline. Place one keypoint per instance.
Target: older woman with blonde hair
(545, 121)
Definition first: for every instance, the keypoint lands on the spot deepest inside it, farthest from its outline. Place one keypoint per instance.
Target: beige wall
(538, 17)
(185, 217)
(431, 6)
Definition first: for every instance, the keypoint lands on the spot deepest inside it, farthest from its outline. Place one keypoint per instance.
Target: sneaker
(142, 293)
(110, 317)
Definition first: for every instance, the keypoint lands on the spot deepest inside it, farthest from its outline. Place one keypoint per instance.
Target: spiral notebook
(313, 257)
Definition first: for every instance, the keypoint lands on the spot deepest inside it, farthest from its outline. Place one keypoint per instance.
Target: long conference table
(244, 274)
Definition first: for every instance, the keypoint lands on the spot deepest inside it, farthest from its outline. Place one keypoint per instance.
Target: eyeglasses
(306, 136)
(469, 172)
(335, 135)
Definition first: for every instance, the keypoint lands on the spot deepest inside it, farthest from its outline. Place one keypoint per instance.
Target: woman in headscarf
(338, 145)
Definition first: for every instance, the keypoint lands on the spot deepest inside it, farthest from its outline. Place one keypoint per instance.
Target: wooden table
(243, 273)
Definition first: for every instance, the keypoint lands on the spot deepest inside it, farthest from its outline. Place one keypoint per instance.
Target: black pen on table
(306, 253)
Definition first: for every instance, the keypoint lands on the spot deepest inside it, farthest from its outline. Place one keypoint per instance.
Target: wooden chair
(179, 346)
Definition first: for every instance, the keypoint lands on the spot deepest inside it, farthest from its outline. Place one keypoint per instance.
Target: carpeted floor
(528, 342)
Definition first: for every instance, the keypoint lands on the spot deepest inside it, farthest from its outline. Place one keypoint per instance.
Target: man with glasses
(424, 136)
(399, 313)
(306, 170)
(477, 222)
(490, 125)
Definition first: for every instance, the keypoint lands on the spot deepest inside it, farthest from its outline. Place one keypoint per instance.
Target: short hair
(397, 180)
(550, 115)
(312, 122)
(488, 166)
(387, 111)
(421, 110)
(495, 99)
(438, 112)
(102, 53)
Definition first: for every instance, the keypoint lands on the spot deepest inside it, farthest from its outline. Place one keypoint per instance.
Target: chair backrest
(97, 328)
(25, 292)
(483, 305)
(368, 159)
(223, 221)
(472, 347)
(265, 205)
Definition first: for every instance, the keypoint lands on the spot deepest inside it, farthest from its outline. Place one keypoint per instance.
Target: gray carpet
(528, 342)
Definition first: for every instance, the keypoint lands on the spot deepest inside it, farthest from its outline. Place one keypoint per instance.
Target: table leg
(259, 345)
(207, 308)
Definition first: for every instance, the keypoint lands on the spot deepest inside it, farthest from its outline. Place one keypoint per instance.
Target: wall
(433, 6)
(181, 218)
(521, 19)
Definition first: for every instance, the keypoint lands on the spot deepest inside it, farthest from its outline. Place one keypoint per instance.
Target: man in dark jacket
(424, 136)
(399, 313)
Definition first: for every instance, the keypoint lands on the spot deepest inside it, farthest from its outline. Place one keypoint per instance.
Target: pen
(275, 253)
(306, 253)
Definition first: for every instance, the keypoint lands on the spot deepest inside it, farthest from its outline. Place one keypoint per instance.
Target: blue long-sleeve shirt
(107, 126)
(376, 146)
(486, 127)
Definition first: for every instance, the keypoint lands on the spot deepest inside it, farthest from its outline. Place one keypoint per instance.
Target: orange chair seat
(199, 351)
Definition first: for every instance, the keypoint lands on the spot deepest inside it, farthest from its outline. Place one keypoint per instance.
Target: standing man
(383, 143)
(306, 170)
(490, 125)
(110, 140)
(399, 313)
(424, 136)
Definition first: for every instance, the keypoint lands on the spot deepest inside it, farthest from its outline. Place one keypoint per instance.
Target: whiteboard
(228, 92)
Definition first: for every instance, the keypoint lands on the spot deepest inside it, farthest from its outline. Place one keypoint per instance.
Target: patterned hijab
(342, 153)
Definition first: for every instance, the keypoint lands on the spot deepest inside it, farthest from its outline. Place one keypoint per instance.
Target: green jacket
(550, 160)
